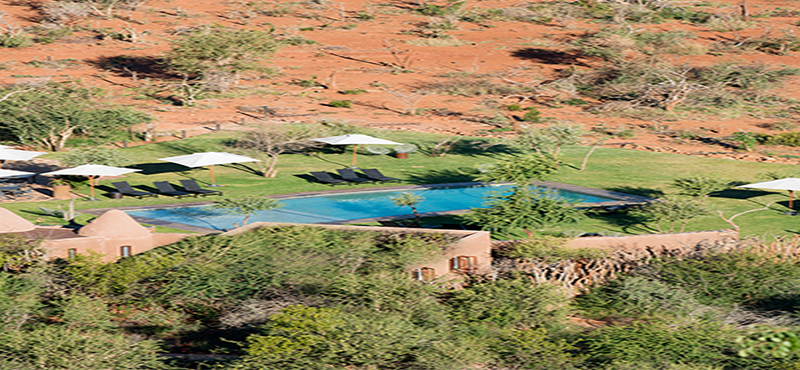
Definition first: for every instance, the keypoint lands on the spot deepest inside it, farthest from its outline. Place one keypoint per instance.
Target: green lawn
(635, 172)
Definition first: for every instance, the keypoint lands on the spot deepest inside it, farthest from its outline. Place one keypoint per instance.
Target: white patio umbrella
(354, 139)
(92, 171)
(208, 159)
(790, 183)
(15, 174)
(7, 154)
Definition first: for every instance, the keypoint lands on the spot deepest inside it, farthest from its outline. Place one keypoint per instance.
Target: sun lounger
(125, 189)
(350, 175)
(326, 178)
(192, 186)
(165, 188)
(374, 174)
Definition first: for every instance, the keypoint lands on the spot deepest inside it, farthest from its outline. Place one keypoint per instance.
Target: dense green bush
(784, 138)
(515, 302)
(745, 279)
(663, 343)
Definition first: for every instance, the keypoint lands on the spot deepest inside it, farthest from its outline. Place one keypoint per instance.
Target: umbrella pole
(211, 170)
(355, 149)
(91, 187)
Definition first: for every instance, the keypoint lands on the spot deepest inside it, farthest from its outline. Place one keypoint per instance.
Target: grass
(622, 170)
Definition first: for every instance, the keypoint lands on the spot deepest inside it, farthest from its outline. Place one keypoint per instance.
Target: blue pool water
(346, 206)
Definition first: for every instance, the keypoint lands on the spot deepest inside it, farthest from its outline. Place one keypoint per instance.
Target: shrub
(302, 337)
(661, 342)
(784, 138)
(15, 40)
(61, 348)
(745, 279)
(531, 349)
(341, 103)
(510, 303)
(532, 115)
(354, 91)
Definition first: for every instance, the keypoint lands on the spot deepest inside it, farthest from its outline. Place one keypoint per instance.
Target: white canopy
(789, 183)
(354, 139)
(208, 159)
(92, 171)
(14, 173)
(17, 155)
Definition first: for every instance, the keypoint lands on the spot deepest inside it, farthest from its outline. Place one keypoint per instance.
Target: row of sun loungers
(350, 176)
(190, 189)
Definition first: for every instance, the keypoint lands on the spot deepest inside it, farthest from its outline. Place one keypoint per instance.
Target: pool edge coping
(622, 200)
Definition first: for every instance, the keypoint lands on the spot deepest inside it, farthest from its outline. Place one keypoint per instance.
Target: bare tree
(268, 142)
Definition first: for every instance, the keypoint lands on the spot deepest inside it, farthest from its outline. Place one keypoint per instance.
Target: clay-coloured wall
(109, 247)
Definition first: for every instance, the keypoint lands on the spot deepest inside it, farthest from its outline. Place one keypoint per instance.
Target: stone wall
(622, 254)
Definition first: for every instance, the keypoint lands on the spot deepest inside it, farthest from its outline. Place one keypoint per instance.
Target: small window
(464, 263)
(125, 251)
(72, 253)
(425, 274)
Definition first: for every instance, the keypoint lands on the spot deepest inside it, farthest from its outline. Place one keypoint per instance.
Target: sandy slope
(356, 54)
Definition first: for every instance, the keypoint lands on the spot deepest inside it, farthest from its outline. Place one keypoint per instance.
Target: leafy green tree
(302, 337)
(20, 300)
(531, 349)
(699, 186)
(246, 206)
(406, 199)
(95, 155)
(218, 55)
(672, 210)
(50, 115)
(522, 209)
(510, 303)
(520, 169)
(549, 139)
(58, 347)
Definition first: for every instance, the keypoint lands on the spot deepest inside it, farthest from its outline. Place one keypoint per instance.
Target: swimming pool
(335, 208)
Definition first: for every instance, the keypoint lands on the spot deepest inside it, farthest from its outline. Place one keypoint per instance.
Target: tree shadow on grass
(157, 168)
(474, 148)
(628, 223)
(637, 190)
(463, 174)
(740, 193)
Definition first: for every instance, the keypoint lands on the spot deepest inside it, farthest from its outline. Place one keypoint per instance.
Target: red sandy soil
(363, 60)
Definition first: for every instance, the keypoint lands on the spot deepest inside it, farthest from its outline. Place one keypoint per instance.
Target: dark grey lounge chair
(165, 188)
(326, 178)
(192, 186)
(350, 175)
(125, 189)
(374, 174)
